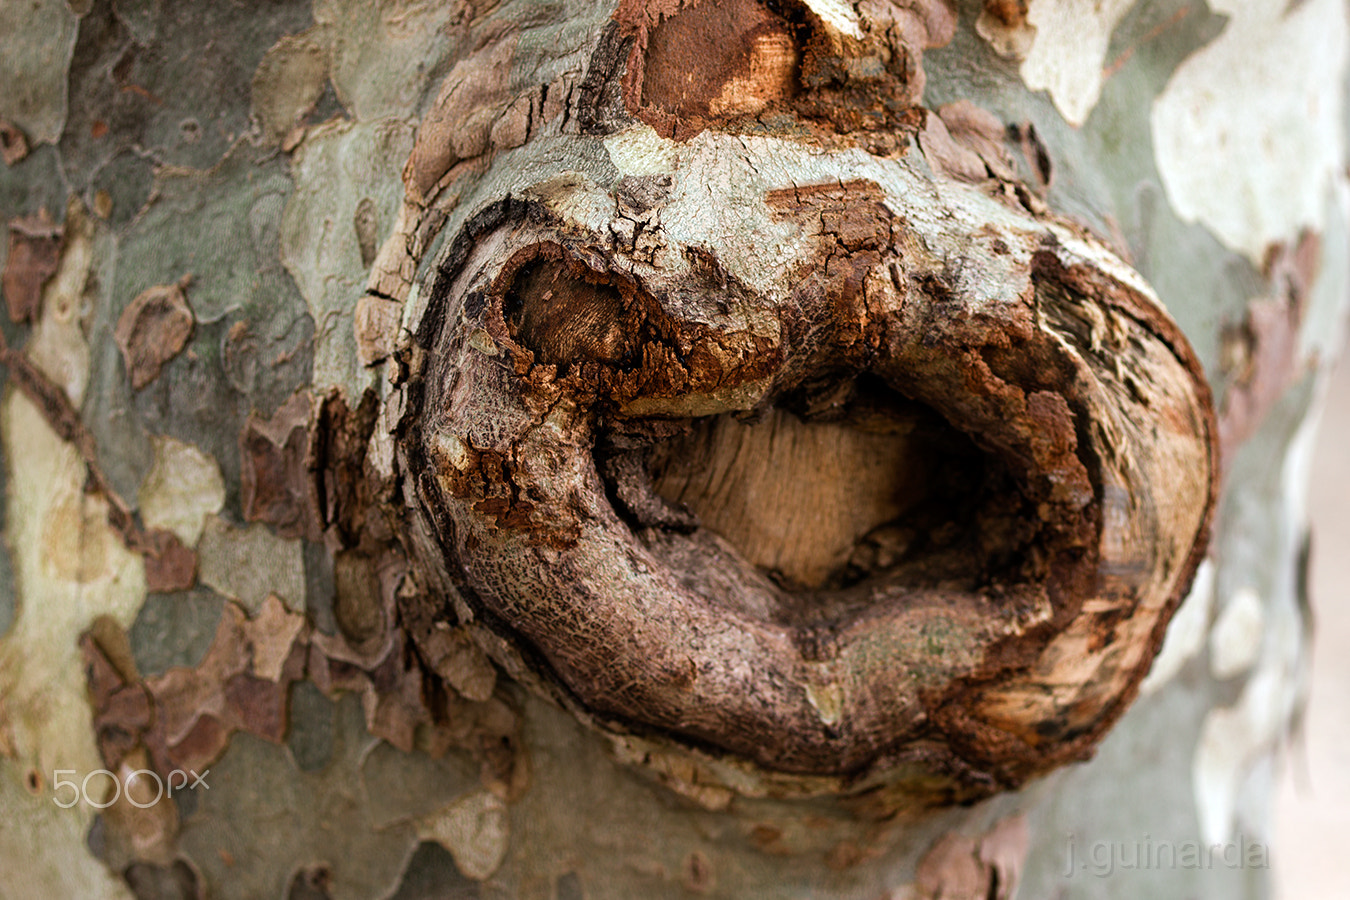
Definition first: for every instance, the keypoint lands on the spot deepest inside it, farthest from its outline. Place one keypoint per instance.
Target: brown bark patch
(344, 497)
(809, 501)
(741, 63)
(153, 329)
(34, 254)
(275, 482)
(576, 326)
(1003, 23)
(460, 123)
(184, 717)
(715, 60)
(569, 313)
(603, 449)
(169, 565)
(13, 142)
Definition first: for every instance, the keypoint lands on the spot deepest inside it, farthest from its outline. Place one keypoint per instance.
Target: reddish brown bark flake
(34, 254)
(169, 565)
(275, 484)
(700, 65)
(184, 717)
(153, 329)
(13, 143)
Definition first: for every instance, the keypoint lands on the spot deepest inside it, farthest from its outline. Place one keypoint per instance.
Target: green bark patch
(251, 346)
(169, 80)
(174, 629)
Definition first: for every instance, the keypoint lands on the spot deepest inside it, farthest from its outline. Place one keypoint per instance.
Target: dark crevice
(963, 521)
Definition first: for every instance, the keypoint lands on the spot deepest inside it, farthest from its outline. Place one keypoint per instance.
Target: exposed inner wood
(564, 318)
(719, 58)
(821, 503)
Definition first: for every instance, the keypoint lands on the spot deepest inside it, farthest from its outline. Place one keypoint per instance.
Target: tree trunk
(718, 448)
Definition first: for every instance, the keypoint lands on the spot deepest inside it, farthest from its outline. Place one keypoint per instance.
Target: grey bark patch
(191, 401)
(320, 587)
(311, 731)
(131, 74)
(174, 629)
(31, 185)
(252, 347)
(127, 179)
(405, 786)
(175, 881)
(262, 817)
(568, 887)
(222, 225)
(432, 875)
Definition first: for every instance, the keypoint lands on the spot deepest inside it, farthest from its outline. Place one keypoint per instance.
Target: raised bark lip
(947, 741)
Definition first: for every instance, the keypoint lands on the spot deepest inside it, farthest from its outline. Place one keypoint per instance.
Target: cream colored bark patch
(70, 568)
(58, 346)
(183, 487)
(475, 829)
(42, 846)
(1185, 633)
(639, 150)
(838, 14)
(1236, 740)
(1231, 740)
(1248, 133)
(1068, 52)
(1235, 642)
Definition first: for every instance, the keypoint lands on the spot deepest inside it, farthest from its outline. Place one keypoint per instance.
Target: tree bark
(527, 451)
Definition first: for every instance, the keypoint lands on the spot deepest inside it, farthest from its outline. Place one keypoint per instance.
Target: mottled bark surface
(345, 340)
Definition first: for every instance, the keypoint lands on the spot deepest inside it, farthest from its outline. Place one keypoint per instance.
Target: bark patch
(745, 64)
(1260, 354)
(34, 254)
(153, 329)
(274, 481)
(13, 143)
